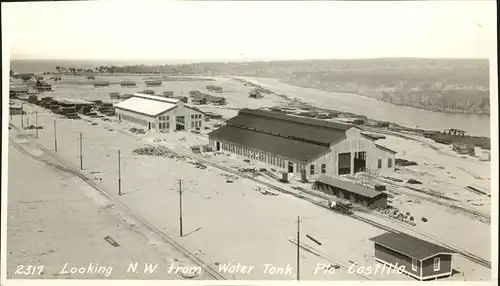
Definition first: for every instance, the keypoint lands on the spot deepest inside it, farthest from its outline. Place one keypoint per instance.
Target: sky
(249, 30)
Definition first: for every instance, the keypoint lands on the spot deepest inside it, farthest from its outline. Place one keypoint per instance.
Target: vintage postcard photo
(197, 142)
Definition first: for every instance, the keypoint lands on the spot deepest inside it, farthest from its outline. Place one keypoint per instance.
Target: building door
(217, 146)
(344, 163)
(359, 162)
(290, 167)
(180, 121)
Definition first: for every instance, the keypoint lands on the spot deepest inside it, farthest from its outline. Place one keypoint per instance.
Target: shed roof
(288, 148)
(18, 88)
(73, 101)
(298, 119)
(127, 82)
(385, 149)
(410, 245)
(156, 98)
(348, 186)
(290, 126)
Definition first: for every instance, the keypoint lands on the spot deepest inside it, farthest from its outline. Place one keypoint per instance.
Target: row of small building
(128, 83)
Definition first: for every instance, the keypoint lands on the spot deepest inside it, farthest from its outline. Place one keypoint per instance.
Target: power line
(298, 248)
(119, 175)
(180, 206)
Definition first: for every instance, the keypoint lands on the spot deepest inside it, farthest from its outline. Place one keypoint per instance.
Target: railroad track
(464, 253)
(486, 217)
(71, 169)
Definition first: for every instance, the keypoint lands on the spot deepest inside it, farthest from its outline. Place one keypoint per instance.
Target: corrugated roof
(288, 148)
(156, 98)
(19, 88)
(410, 246)
(298, 119)
(73, 101)
(348, 186)
(286, 127)
(385, 148)
(127, 82)
(145, 106)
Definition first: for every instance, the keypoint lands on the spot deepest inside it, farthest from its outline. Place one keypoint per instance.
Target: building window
(168, 125)
(389, 163)
(414, 264)
(379, 164)
(192, 116)
(323, 168)
(167, 117)
(437, 264)
(312, 169)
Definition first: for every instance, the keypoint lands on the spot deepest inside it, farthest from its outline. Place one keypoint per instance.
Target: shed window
(323, 168)
(389, 163)
(312, 169)
(437, 264)
(414, 264)
(379, 164)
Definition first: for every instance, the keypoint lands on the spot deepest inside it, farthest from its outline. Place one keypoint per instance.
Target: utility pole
(55, 136)
(180, 205)
(119, 176)
(298, 248)
(36, 124)
(22, 117)
(81, 155)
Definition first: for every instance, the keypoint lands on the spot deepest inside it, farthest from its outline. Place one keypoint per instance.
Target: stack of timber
(114, 95)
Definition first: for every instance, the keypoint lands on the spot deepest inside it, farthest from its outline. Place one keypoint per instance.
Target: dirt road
(57, 222)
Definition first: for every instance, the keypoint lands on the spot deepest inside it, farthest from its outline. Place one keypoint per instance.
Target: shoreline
(392, 125)
(435, 109)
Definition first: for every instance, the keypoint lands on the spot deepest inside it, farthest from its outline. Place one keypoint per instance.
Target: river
(473, 124)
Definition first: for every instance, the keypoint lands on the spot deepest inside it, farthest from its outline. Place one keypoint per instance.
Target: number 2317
(28, 270)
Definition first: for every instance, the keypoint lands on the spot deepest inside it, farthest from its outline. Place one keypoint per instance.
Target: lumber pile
(404, 162)
(153, 151)
(397, 215)
(137, 131)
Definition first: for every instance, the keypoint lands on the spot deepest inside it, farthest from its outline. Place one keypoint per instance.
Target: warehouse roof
(314, 131)
(73, 101)
(348, 186)
(127, 82)
(410, 246)
(297, 119)
(156, 98)
(19, 88)
(146, 106)
(288, 148)
(385, 149)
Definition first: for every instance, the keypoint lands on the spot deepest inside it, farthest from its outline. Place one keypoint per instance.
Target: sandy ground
(55, 218)
(249, 223)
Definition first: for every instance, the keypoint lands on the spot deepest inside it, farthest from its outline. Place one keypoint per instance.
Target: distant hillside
(445, 85)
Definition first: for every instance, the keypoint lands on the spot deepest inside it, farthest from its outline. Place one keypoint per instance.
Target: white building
(159, 113)
(300, 145)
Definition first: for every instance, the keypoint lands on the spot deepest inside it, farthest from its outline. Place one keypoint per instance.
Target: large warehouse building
(301, 145)
(159, 113)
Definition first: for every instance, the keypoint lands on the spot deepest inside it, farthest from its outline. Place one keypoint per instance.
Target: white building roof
(147, 104)
(157, 98)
